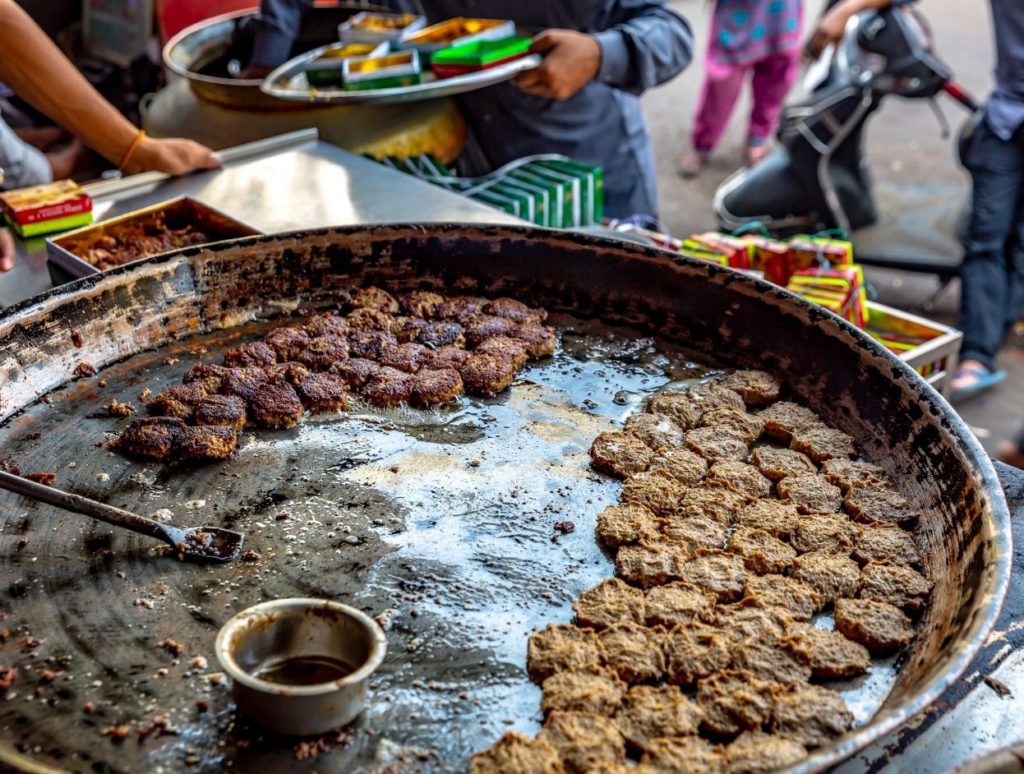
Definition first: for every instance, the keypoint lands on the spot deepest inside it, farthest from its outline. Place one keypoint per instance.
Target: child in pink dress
(760, 37)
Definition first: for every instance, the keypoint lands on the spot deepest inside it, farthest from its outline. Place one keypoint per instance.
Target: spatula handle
(83, 505)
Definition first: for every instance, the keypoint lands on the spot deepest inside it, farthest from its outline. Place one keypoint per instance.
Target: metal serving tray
(69, 249)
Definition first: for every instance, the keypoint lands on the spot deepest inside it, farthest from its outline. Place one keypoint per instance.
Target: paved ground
(919, 185)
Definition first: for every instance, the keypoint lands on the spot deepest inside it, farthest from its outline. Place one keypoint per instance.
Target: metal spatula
(204, 544)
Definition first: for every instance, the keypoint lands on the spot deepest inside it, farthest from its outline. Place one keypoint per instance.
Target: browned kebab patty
(597, 691)
(682, 755)
(682, 465)
(441, 333)
(825, 532)
(757, 388)
(773, 516)
(620, 453)
(447, 357)
(733, 701)
(370, 344)
(515, 310)
(154, 438)
(833, 575)
(287, 342)
(714, 570)
(460, 308)
(374, 298)
(879, 505)
(810, 714)
(517, 753)
(711, 396)
(648, 713)
(610, 602)
(487, 374)
(406, 329)
(255, 353)
(799, 600)
(293, 373)
(323, 392)
(782, 419)
(750, 617)
(205, 443)
(224, 410)
(323, 352)
(387, 387)
(822, 443)
(408, 357)
(356, 371)
(583, 741)
(746, 427)
(178, 400)
(434, 386)
(775, 463)
(209, 374)
(560, 648)
(677, 603)
(716, 503)
(766, 657)
(677, 406)
(695, 532)
(896, 584)
(275, 404)
(755, 752)
(633, 651)
(505, 346)
(878, 626)
(810, 492)
(651, 562)
(888, 544)
(541, 340)
(658, 493)
(740, 477)
(655, 430)
(828, 653)
(762, 553)
(421, 303)
(619, 525)
(484, 326)
(850, 474)
(694, 650)
(243, 382)
(366, 319)
(714, 444)
(325, 324)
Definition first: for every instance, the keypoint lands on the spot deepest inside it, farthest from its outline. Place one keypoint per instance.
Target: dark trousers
(992, 275)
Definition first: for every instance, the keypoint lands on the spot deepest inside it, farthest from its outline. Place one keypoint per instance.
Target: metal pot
(723, 316)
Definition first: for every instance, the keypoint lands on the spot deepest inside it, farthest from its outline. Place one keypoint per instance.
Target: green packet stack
(549, 190)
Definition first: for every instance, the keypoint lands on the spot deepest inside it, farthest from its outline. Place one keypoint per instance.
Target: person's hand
(172, 156)
(829, 30)
(571, 60)
(6, 250)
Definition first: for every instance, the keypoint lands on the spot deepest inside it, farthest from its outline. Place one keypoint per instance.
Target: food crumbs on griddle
(116, 408)
(84, 369)
(7, 677)
(76, 338)
(251, 556)
(89, 707)
(202, 706)
(142, 602)
(116, 734)
(314, 748)
(173, 647)
(42, 477)
(565, 527)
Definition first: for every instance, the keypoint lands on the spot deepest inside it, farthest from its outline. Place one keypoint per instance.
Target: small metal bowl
(299, 666)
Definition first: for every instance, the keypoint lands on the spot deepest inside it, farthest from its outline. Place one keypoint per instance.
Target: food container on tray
(320, 654)
(479, 55)
(381, 72)
(455, 32)
(369, 27)
(325, 70)
(69, 251)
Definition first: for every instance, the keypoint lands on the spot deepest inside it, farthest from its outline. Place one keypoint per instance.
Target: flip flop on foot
(971, 379)
(691, 163)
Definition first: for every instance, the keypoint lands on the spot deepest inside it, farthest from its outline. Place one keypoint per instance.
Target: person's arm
(640, 44)
(36, 70)
(6, 250)
(832, 24)
(277, 27)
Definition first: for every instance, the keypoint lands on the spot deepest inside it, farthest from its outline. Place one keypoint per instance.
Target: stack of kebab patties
(424, 349)
(742, 517)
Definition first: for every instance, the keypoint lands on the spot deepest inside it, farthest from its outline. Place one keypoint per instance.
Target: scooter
(819, 178)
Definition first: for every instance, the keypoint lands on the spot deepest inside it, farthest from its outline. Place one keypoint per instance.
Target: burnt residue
(419, 544)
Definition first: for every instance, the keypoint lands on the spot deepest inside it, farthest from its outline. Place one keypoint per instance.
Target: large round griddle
(445, 519)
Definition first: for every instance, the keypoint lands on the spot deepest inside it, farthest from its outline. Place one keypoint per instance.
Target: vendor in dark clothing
(583, 100)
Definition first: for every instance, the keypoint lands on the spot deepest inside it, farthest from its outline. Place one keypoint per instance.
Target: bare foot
(756, 154)
(1010, 453)
(691, 163)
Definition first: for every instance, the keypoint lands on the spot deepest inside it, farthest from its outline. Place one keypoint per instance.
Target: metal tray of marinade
(289, 81)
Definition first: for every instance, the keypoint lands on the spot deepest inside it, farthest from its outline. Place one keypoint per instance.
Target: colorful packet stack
(769, 256)
(44, 209)
(839, 289)
(723, 249)
(478, 55)
(391, 71)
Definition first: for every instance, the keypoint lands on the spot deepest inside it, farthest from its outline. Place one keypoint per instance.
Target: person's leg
(996, 175)
(773, 77)
(718, 94)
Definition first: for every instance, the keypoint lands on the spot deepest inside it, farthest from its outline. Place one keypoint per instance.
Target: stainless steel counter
(308, 185)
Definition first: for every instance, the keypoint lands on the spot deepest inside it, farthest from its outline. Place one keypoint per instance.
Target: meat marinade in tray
(464, 528)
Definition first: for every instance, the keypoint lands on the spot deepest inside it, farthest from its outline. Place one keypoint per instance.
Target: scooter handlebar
(958, 93)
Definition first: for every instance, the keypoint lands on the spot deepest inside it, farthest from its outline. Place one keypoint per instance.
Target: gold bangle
(126, 159)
